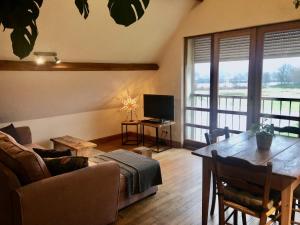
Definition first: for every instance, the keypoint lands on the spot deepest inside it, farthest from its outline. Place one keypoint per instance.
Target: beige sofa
(86, 196)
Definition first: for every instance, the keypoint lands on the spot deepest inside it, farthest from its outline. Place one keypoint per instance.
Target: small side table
(69, 142)
(125, 138)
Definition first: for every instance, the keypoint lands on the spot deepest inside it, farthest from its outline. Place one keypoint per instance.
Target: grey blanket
(141, 172)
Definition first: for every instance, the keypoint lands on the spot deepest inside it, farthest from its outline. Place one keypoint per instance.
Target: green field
(270, 107)
(275, 92)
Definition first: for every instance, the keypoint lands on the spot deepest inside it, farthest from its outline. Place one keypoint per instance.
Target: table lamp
(129, 104)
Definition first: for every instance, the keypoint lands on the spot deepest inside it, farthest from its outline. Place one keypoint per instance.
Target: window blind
(202, 50)
(282, 44)
(235, 48)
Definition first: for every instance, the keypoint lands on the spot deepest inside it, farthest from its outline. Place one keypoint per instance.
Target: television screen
(159, 106)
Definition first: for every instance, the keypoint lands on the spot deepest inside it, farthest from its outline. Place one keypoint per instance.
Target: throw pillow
(52, 153)
(66, 164)
(12, 131)
(27, 165)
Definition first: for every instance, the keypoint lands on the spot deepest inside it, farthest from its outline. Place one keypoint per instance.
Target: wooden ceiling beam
(7, 65)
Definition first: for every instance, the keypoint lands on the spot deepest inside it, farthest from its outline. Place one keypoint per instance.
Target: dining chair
(210, 139)
(245, 188)
(214, 134)
(288, 129)
(296, 198)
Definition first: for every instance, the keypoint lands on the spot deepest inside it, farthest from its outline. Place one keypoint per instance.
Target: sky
(237, 67)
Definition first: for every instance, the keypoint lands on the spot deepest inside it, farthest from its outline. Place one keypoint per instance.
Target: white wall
(82, 104)
(33, 95)
(208, 17)
(88, 125)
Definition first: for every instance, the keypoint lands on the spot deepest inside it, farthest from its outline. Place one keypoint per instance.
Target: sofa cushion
(65, 164)
(52, 153)
(12, 131)
(27, 165)
(30, 147)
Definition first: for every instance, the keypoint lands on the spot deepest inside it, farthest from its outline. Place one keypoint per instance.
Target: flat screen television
(159, 107)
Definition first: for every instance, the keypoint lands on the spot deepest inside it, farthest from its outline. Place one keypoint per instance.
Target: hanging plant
(20, 16)
(126, 12)
(297, 3)
(83, 7)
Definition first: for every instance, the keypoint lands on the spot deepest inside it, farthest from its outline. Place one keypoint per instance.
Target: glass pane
(197, 117)
(197, 76)
(233, 122)
(197, 87)
(281, 76)
(233, 81)
(195, 134)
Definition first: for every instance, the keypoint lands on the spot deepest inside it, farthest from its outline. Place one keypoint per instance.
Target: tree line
(285, 75)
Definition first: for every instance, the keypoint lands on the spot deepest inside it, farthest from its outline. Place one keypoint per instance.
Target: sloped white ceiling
(99, 38)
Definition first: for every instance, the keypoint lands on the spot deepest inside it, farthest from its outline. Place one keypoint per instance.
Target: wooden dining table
(284, 155)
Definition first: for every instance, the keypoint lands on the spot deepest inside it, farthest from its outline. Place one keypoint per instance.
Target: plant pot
(264, 141)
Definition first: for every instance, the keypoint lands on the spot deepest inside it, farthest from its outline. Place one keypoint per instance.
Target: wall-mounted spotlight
(57, 60)
(40, 60)
(41, 57)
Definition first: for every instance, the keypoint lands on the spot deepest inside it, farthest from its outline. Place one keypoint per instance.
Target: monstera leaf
(83, 7)
(6, 12)
(20, 16)
(126, 12)
(23, 40)
(19, 13)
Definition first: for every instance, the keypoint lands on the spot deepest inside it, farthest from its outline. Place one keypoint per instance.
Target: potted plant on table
(264, 135)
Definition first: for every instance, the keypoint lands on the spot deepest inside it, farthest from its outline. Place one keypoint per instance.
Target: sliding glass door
(280, 83)
(197, 88)
(216, 83)
(232, 59)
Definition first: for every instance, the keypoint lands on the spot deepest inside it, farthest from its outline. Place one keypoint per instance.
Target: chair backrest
(243, 175)
(288, 129)
(212, 136)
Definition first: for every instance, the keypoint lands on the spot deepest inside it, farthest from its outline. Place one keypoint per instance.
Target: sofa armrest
(25, 135)
(86, 196)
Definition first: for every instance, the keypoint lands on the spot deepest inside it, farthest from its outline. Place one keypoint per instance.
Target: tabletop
(74, 142)
(284, 152)
(133, 122)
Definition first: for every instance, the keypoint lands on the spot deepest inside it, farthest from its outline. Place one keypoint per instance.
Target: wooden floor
(178, 200)
(107, 146)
